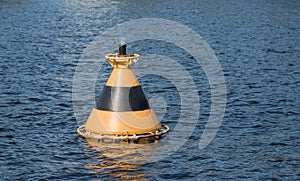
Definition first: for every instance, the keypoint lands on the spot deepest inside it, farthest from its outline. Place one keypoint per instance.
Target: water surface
(257, 44)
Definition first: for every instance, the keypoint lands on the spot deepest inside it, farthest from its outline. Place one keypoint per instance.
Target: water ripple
(257, 44)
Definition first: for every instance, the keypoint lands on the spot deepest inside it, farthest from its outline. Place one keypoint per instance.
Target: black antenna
(122, 48)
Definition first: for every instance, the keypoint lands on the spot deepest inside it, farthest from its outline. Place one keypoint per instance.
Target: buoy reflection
(120, 160)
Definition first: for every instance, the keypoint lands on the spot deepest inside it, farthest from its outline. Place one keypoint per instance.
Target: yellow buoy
(122, 111)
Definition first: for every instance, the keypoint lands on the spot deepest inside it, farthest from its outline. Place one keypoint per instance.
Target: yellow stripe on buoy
(122, 78)
(131, 122)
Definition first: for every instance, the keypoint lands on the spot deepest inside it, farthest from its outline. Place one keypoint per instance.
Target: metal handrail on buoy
(127, 137)
(122, 61)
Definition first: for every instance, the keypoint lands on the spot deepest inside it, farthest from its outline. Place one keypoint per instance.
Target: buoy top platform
(122, 111)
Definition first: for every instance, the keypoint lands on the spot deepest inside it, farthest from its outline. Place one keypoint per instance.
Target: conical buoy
(122, 111)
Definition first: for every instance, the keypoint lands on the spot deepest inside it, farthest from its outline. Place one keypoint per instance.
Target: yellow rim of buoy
(90, 135)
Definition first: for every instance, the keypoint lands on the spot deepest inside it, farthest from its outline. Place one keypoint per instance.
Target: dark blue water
(257, 45)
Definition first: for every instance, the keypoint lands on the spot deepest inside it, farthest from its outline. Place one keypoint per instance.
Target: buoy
(122, 112)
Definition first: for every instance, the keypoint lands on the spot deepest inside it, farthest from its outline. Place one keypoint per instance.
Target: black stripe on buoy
(120, 99)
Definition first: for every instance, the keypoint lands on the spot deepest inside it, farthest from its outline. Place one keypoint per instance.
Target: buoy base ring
(135, 138)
